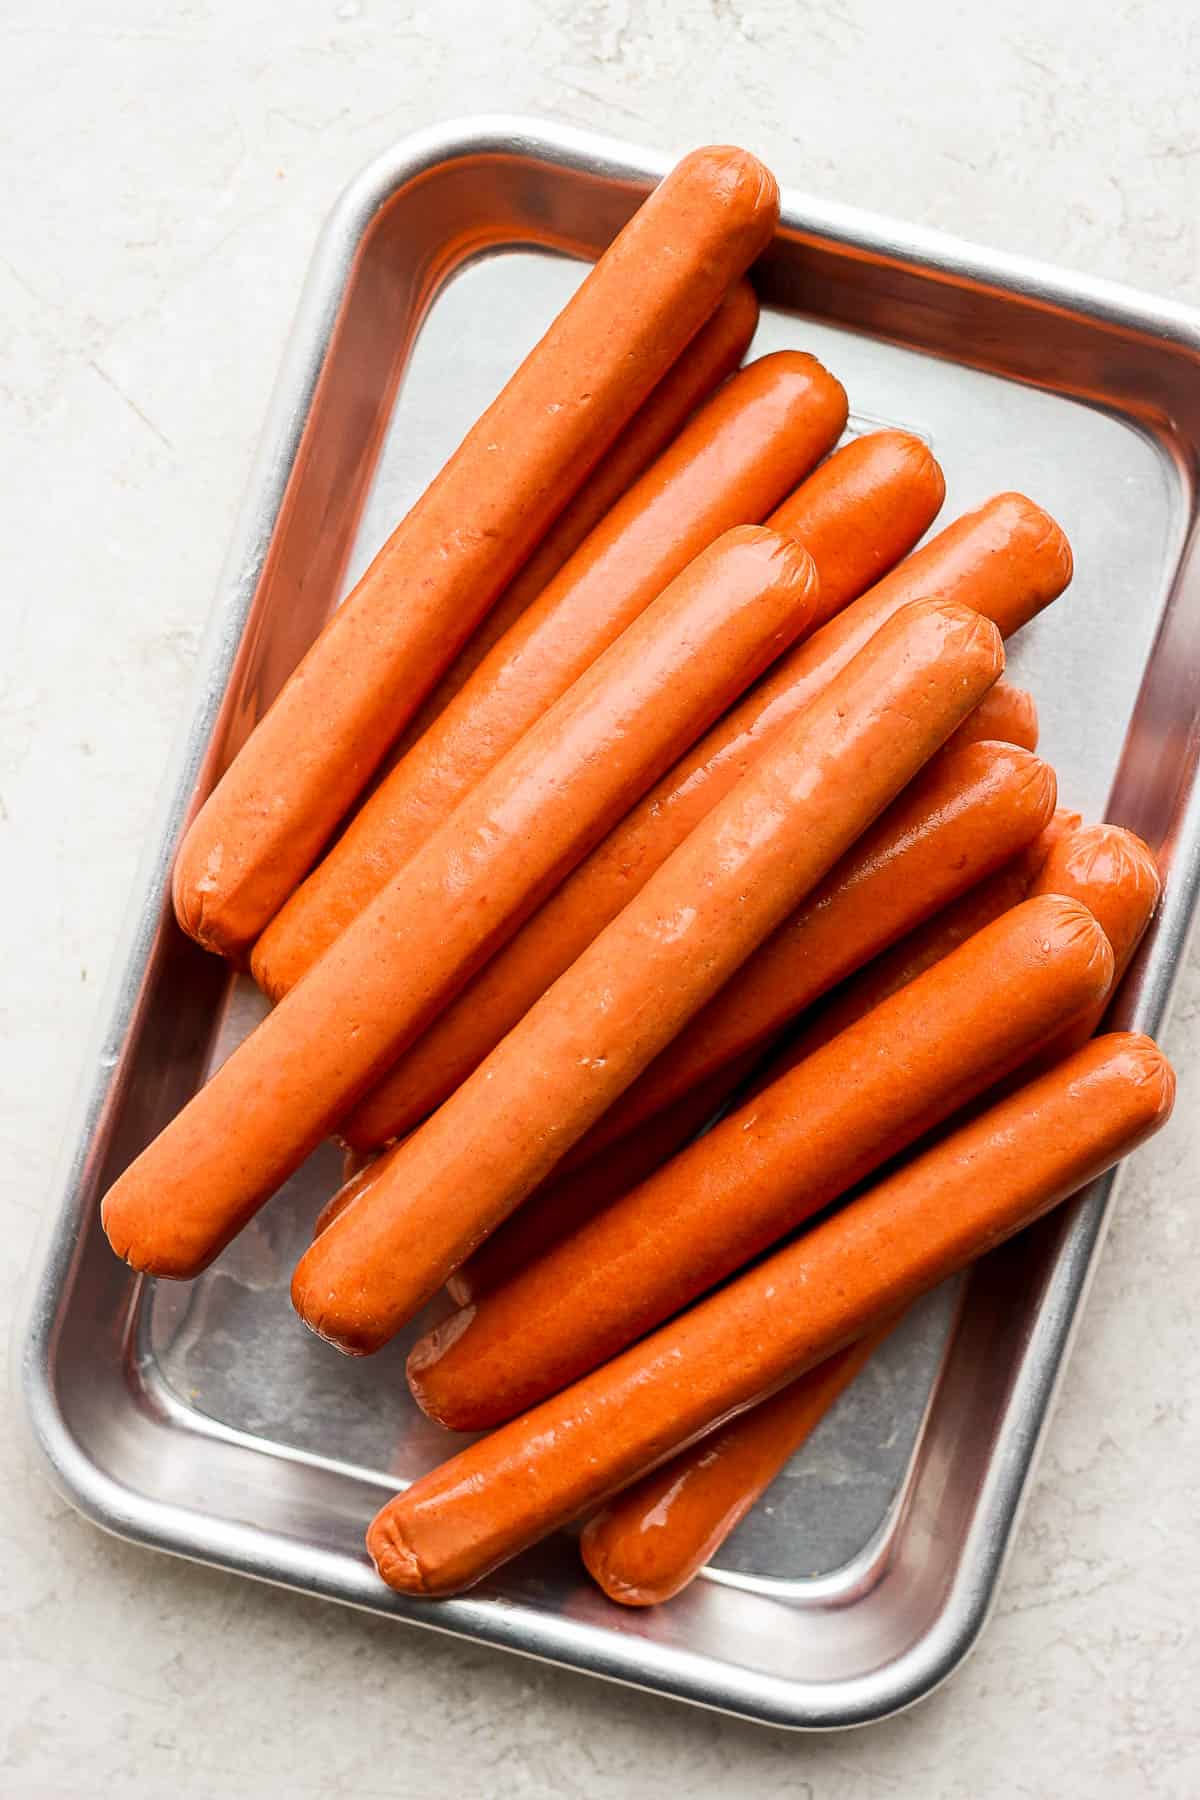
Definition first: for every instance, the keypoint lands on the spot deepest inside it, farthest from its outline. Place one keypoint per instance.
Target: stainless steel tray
(202, 1419)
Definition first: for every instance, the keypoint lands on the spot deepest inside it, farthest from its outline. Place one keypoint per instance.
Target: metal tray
(202, 1419)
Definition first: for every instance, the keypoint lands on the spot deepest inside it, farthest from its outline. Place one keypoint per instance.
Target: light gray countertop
(167, 166)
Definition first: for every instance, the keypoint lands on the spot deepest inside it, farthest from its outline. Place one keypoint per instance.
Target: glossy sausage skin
(1115, 875)
(862, 510)
(714, 352)
(1062, 822)
(653, 1539)
(569, 1199)
(768, 1166)
(591, 1034)
(540, 809)
(966, 816)
(562, 1203)
(930, 942)
(1005, 561)
(751, 441)
(987, 1180)
(313, 752)
(970, 810)
(1006, 715)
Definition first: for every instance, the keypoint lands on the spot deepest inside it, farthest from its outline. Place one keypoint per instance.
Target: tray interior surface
(211, 1397)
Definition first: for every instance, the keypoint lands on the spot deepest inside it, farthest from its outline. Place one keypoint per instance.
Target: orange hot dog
(512, 839)
(471, 1164)
(727, 467)
(313, 752)
(966, 816)
(1006, 715)
(1005, 561)
(930, 942)
(967, 812)
(861, 511)
(1115, 875)
(714, 352)
(653, 1539)
(986, 1181)
(768, 1166)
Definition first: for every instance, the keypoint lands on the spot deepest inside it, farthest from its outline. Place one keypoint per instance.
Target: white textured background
(166, 166)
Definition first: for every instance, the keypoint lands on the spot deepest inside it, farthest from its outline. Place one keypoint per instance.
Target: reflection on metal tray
(202, 1419)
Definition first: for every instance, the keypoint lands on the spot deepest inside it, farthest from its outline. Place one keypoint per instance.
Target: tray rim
(574, 1643)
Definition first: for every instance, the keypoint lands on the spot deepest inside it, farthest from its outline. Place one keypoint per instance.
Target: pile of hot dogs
(641, 781)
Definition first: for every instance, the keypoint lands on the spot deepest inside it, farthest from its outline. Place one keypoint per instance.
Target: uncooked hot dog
(1115, 875)
(312, 753)
(987, 1180)
(453, 1181)
(861, 511)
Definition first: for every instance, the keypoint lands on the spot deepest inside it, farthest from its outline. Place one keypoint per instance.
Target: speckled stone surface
(166, 166)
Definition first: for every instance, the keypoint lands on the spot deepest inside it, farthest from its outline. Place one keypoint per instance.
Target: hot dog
(861, 511)
(653, 1539)
(514, 837)
(454, 1180)
(1115, 875)
(446, 563)
(1006, 714)
(744, 448)
(768, 1166)
(714, 352)
(965, 817)
(973, 1189)
(969, 811)
(933, 940)
(1005, 561)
